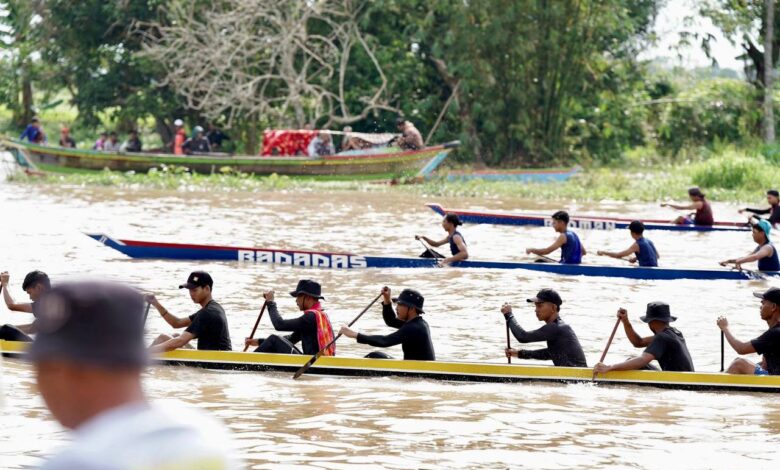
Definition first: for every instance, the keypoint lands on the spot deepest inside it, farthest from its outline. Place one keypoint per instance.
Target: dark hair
(773, 192)
(453, 219)
(562, 216)
(34, 278)
(695, 191)
(637, 227)
(400, 122)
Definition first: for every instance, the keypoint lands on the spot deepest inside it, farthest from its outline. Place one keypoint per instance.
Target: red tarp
(287, 143)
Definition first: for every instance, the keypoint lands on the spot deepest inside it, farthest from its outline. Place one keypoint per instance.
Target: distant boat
(380, 163)
(521, 175)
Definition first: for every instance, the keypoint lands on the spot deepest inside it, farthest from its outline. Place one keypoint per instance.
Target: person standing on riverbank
(36, 284)
(703, 215)
(563, 347)
(413, 333)
(773, 198)
(457, 243)
(208, 325)
(667, 345)
(313, 329)
(643, 249)
(767, 345)
(91, 383)
(572, 250)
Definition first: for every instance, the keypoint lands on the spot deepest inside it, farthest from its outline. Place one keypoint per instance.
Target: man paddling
(667, 345)
(36, 283)
(643, 250)
(765, 253)
(208, 325)
(572, 250)
(773, 198)
(89, 358)
(450, 224)
(767, 345)
(312, 329)
(563, 347)
(703, 215)
(413, 333)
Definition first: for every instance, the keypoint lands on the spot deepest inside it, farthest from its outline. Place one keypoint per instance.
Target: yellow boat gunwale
(454, 371)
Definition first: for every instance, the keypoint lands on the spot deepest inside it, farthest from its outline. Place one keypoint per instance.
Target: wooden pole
(609, 342)
(257, 322)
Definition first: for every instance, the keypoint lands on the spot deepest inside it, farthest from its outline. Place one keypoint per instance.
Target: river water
(330, 422)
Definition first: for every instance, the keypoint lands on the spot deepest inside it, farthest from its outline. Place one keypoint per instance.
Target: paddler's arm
(536, 354)
(694, 206)
(763, 252)
(431, 242)
(280, 324)
(9, 301)
(463, 254)
(542, 334)
(559, 242)
(173, 343)
(632, 335)
(631, 364)
(755, 211)
(620, 254)
(741, 347)
(170, 318)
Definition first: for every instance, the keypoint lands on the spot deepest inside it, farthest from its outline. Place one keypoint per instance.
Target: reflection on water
(328, 422)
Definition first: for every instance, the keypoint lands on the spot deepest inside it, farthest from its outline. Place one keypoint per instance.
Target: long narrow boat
(583, 222)
(450, 371)
(180, 251)
(392, 162)
(524, 175)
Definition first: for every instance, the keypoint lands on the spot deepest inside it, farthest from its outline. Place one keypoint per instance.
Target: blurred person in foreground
(88, 357)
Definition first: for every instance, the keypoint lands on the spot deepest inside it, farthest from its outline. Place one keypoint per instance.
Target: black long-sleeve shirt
(774, 213)
(414, 336)
(304, 329)
(563, 347)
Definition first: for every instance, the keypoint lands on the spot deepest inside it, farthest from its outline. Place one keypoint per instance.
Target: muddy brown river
(360, 423)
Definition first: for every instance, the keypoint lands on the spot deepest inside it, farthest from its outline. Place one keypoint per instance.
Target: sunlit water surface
(329, 422)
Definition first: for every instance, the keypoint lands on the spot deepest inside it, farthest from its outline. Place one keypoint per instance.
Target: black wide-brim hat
(308, 287)
(411, 298)
(658, 311)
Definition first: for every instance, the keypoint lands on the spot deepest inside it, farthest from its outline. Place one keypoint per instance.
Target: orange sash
(324, 331)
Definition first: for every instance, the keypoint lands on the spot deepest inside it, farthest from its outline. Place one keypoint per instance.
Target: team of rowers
(312, 330)
(642, 251)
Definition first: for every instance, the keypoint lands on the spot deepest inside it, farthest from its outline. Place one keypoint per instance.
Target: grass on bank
(730, 176)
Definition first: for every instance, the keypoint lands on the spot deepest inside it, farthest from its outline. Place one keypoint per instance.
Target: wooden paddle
(430, 251)
(251, 336)
(749, 272)
(606, 348)
(321, 351)
(508, 358)
(545, 259)
(146, 313)
(722, 365)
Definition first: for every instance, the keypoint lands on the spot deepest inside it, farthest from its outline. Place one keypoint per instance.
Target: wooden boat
(386, 163)
(524, 175)
(582, 222)
(449, 371)
(180, 251)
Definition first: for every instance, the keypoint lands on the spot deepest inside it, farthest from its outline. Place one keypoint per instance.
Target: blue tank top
(453, 247)
(647, 255)
(571, 251)
(770, 263)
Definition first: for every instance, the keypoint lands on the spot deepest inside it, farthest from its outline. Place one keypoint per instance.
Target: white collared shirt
(143, 436)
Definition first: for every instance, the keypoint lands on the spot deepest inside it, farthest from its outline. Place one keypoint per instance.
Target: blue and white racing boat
(180, 251)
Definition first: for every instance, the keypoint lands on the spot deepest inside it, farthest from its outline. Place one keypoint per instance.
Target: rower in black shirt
(312, 329)
(35, 284)
(667, 345)
(563, 347)
(208, 325)
(768, 344)
(413, 333)
(773, 198)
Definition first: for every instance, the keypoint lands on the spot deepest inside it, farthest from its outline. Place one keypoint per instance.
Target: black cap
(308, 287)
(772, 294)
(547, 295)
(695, 191)
(94, 323)
(411, 298)
(773, 192)
(658, 311)
(198, 279)
(561, 215)
(36, 277)
(636, 226)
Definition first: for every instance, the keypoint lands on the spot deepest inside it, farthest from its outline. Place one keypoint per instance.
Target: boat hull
(588, 223)
(179, 251)
(449, 371)
(58, 159)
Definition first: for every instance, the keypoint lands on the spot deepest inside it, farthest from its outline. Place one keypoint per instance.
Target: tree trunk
(26, 111)
(164, 130)
(769, 117)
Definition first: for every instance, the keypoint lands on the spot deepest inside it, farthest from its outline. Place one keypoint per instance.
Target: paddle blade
(306, 366)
